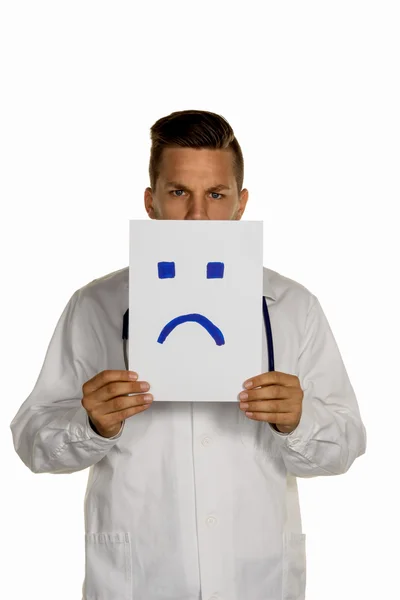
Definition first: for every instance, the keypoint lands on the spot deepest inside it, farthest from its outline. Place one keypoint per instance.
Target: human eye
(179, 195)
(216, 194)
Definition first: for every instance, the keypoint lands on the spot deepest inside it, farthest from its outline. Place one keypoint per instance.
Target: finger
(105, 377)
(124, 403)
(272, 378)
(118, 388)
(265, 393)
(111, 419)
(267, 406)
(276, 418)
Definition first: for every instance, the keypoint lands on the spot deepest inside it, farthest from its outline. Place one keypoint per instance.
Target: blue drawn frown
(215, 270)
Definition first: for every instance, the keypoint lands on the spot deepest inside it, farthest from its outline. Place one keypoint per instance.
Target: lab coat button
(211, 520)
(206, 441)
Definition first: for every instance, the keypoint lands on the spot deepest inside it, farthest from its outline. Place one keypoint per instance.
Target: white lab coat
(191, 500)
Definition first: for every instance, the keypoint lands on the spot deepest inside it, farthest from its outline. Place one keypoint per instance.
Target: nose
(197, 208)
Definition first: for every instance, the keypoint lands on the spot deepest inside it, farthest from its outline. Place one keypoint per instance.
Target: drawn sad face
(215, 270)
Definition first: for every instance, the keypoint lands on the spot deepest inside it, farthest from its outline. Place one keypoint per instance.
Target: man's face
(196, 184)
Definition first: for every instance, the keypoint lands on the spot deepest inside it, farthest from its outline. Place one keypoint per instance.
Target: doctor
(191, 500)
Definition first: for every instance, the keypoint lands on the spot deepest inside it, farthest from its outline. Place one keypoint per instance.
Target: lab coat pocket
(108, 573)
(294, 566)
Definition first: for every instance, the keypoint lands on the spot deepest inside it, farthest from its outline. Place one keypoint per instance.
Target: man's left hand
(274, 397)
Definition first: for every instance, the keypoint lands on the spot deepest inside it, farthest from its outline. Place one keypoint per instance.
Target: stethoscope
(267, 322)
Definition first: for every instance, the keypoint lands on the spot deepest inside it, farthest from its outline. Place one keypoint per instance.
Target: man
(191, 500)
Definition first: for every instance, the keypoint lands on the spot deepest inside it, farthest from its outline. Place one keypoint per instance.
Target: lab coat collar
(268, 290)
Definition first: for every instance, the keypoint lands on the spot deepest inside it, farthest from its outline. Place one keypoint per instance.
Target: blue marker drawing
(215, 270)
(212, 329)
(166, 270)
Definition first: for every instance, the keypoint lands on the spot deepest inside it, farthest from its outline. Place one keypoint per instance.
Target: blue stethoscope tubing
(267, 322)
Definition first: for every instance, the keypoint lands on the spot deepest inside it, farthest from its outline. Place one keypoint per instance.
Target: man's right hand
(106, 401)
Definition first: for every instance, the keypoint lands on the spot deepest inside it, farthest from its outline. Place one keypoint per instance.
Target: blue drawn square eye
(215, 270)
(166, 270)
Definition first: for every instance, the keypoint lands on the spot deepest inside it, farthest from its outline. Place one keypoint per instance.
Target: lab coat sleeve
(331, 434)
(51, 430)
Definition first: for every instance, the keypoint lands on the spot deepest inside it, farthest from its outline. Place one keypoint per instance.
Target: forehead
(196, 163)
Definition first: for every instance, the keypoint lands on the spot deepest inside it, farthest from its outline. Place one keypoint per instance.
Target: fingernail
(144, 386)
(132, 375)
(148, 398)
(243, 396)
(248, 384)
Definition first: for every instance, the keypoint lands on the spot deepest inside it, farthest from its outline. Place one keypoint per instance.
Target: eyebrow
(181, 186)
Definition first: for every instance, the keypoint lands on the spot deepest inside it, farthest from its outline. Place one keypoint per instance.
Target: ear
(244, 196)
(148, 203)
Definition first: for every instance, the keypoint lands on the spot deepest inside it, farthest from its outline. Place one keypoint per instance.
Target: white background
(311, 89)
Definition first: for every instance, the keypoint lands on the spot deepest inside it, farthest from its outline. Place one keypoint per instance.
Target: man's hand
(274, 397)
(107, 401)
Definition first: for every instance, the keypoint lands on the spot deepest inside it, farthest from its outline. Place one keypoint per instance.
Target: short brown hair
(193, 129)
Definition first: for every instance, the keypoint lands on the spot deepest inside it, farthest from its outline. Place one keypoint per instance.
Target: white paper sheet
(209, 357)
